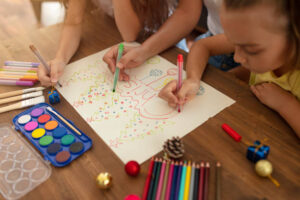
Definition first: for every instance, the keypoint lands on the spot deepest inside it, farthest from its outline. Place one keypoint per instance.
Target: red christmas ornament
(132, 197)
(132, 168)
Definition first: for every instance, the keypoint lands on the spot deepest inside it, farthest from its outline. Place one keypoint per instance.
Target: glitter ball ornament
(104, 180)
(264, 168)
(132, 168)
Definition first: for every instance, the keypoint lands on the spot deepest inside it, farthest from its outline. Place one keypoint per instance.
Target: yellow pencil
(187, 182)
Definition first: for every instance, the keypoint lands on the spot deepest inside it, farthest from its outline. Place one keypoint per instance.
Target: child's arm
(195, 66)
(127, 20)
(69, 42)
(281, 101)
(176, 27)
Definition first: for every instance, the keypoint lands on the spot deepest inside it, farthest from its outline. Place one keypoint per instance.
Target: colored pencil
(196, 184)
(147, 183)
(155, 165)
(16, 82)
(187, 181)
(21, 64)
(161, 179)
(38, 55)
(174, 180)
(190, 197)
(156, 180)
(218, 181)
(116, 76)
(180, 67)
(206, 183)
(163, 193)
(182, 183)
(178, 180)
(169, 184)
(201, 181)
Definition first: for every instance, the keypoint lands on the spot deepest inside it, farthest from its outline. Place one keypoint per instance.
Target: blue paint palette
(56, 140)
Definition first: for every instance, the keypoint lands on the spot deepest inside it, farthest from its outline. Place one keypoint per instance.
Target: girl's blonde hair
(287, 8)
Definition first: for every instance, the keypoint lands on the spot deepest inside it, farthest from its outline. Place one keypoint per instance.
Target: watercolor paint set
(55, 137)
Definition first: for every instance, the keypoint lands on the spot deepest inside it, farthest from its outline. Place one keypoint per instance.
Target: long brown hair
(153, 13)
(288, 8)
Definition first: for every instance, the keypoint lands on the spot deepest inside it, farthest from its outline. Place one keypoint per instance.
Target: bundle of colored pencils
(176, 180)
(19, 73)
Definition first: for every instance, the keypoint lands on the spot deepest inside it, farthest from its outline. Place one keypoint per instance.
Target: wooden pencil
(174, 179)
(206, 181)
(170, 176)
(161, 178)
(201, 181)
(187, 181)
(147, 183)
(218, 181)
(149, 195)
(196, 184)
(156, 179)
(163, 192)
(178, 180)
(182, 183)
(191, 190)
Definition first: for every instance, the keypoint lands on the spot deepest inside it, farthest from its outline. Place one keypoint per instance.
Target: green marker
(120, 52)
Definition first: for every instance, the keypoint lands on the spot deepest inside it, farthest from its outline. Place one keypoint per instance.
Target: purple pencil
(168, 192)
(161, 178)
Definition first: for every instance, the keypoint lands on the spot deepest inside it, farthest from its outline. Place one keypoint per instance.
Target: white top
(213, 18)
(106, 6)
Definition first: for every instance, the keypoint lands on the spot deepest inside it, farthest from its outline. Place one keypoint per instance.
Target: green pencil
(182, 183)
(120, 52)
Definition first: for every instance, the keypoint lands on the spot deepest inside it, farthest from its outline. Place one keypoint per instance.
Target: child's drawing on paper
(133, 116)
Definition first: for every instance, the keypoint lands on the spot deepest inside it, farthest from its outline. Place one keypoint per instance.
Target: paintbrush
(63, 119)
(20, 97)
(23, 104)
(18, 92)
(38, 55)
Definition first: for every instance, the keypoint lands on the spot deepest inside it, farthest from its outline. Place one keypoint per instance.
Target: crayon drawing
(134, 122)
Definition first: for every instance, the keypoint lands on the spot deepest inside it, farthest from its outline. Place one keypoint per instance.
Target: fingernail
(120, 65)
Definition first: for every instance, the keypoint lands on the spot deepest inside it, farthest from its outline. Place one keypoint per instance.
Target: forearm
(175, 28)
(291, 113)
(70, 36)
(127, 20)
(202, 50)
(69, 42)
(197, 60)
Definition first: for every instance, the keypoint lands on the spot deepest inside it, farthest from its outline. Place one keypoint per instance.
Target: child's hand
(56, 70)
(187, 91)
(271, 95)
(132, 57)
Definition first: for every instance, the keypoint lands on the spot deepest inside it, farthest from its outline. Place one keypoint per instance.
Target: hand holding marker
(120, 52)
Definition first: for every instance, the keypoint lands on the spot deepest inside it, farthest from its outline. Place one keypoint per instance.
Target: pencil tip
(32, 47)
(218, 164)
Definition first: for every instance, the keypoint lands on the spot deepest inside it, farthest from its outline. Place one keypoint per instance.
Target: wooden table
(208, 142)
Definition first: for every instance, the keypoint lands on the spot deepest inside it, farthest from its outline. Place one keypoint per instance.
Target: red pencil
(201, 182)
(206, 183)
(147, 183)
(180, 67)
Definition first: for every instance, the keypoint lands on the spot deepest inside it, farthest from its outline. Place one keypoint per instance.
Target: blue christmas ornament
(53, 97)
(257, 151)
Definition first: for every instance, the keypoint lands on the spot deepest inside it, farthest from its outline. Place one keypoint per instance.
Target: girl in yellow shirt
(265, 38)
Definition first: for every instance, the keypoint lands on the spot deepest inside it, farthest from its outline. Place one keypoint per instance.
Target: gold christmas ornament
(264, 168)
(104, 180)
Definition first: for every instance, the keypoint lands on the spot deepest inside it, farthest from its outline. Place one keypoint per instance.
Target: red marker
(231, 132)
(180, 67)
